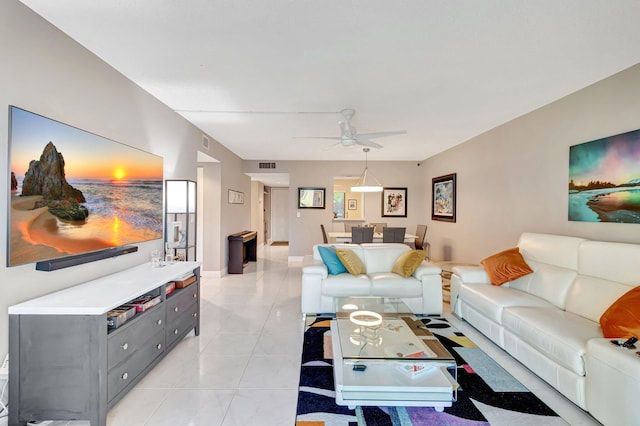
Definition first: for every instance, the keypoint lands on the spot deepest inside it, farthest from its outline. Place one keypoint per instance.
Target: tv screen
(74, 192)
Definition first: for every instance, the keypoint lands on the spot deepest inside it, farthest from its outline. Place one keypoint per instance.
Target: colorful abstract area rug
(487, 395)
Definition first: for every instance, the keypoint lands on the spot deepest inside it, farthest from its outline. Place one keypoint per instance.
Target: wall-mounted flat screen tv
(74, 192)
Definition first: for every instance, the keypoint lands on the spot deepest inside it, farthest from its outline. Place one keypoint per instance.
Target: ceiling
(254, 75)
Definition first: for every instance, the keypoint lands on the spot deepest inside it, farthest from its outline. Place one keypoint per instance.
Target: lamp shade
(181, 196)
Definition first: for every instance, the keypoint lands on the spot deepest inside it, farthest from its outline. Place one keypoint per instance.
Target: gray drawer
(181, 300)
(125, 341)
(122, 375)
(183, 322)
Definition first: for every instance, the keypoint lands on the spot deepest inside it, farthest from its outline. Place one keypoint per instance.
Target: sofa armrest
(426, 268)
(471, 274)
(314, 266)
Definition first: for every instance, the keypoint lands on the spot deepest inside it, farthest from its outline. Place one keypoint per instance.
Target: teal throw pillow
(330, 258)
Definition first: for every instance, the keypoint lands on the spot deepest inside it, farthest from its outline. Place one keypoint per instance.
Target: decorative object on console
(311, 198)
(98, 198)
(505, 266)
(180, 211)
(443, 198)
(364, 185)
(394, 202)
(602, 188)
(622, 319)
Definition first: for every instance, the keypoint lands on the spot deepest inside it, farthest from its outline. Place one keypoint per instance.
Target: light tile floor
(243, 368)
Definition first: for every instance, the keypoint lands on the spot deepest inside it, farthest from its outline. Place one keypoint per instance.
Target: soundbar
(79, 259)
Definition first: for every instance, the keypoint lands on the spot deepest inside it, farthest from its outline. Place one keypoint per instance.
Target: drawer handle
(195, 315)
(175, 309)
(175, 331)
(195, 295)
(159, 346)
(125, 376)
(125, 346)
(159, 322)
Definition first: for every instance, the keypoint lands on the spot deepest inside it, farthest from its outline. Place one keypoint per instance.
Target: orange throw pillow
(506, 266)
(622, 319)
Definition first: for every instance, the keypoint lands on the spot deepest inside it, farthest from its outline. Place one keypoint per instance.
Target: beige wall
(46, 72)
(514, 178)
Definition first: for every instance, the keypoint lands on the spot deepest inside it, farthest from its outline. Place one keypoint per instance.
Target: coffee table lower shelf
(383, 384)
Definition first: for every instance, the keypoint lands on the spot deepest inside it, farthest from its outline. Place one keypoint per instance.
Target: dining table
(345, 237)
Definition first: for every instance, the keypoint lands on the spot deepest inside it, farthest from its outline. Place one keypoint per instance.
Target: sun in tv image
(74, 192)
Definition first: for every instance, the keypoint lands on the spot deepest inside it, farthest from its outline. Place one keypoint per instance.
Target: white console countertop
(99, 296)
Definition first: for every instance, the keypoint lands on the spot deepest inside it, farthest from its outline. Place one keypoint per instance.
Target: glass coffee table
(384, 355)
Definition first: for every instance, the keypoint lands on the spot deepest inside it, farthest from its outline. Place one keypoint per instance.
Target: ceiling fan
(350, 137)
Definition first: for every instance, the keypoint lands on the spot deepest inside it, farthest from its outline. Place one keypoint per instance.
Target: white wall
(46, 72)
(514, 178)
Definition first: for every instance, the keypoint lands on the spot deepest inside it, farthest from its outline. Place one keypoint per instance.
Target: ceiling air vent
(205, 142)
(266, 165)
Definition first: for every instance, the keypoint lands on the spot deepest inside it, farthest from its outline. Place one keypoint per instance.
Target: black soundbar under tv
(79, 259)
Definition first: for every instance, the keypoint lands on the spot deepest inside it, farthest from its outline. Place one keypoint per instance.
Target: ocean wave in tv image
(137, 202)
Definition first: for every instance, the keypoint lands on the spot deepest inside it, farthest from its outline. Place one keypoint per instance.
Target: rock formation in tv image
(46, 177)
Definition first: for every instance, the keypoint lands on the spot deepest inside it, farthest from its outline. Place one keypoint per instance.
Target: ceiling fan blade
(317, 137)
(365, 142)
(327, 148)
(381, 134)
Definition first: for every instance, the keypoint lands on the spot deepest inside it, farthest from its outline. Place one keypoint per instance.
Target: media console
(66, 364)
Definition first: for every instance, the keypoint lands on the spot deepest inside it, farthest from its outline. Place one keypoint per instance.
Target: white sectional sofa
(549, 320)
(422, 291)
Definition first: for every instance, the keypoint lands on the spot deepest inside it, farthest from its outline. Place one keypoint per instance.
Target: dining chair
(361, 234)
(393, 234)
(324, 234)
(421, 243)
(421, 233)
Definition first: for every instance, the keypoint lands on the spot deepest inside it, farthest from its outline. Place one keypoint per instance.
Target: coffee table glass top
(378, 328)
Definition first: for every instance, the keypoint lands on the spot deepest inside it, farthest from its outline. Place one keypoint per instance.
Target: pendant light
(366, 183)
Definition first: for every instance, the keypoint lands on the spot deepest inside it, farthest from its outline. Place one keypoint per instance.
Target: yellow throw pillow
(351, 261)
(408, 262)
(506, 266)
(622, 319)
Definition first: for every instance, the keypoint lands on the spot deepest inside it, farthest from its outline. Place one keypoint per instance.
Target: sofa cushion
(549, 282)
(505, 266)
(351, 261)
(380, 257)
(331, 260)
(389, 284)
(622, 319)
(408, 262)
(491, 300)
(561, 336)
(344, 285)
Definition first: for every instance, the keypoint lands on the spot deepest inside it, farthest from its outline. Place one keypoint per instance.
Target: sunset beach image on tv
(604, 179)
(74, 192)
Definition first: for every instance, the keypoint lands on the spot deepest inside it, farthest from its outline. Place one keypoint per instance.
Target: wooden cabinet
(67, 365)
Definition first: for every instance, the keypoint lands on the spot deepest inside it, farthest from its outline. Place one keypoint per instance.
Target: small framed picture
(394, 202)
(443, 198)
(352, 204)
(236, 197)
(311, 198)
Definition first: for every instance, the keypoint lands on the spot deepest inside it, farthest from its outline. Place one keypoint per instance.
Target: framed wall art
(604, 179)
(443, 198)
(394, 202)
(311, 198)
(353, 204)
(236, 197)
